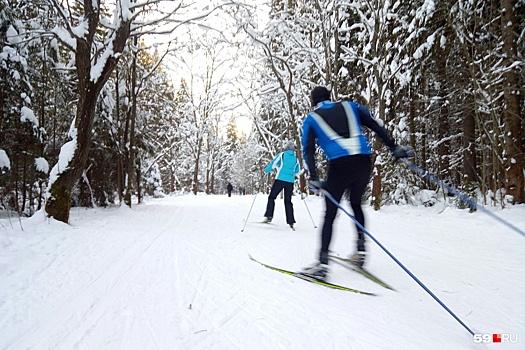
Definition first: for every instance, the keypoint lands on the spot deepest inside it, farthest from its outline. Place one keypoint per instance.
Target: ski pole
(425, 174)
(313, 222)
(254, 198)
(327, 194)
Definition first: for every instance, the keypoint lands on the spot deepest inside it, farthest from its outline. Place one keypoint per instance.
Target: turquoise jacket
(286, 164)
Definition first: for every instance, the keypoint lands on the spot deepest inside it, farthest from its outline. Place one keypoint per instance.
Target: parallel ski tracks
(92, 300)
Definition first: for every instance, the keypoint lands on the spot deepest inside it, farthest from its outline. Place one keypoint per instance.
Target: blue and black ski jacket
(337, 128)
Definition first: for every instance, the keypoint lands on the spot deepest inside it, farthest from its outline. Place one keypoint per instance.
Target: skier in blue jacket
(287, 167)
(337, 129)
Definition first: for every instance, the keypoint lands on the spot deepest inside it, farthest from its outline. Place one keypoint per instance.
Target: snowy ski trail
(174, 273)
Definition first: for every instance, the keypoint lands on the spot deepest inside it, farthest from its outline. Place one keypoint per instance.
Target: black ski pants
(350, 173)
(277, 187)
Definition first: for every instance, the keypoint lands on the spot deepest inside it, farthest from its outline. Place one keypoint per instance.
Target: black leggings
(350, 173)
(277, 187)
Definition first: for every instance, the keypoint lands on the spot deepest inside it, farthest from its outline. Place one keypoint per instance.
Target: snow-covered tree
(88, 87)
(95, 39)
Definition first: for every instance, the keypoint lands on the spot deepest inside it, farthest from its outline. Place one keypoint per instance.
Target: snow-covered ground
(174, 273)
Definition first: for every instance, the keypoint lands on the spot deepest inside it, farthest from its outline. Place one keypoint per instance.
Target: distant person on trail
(336, 127)
(229, 188)
(287, 167)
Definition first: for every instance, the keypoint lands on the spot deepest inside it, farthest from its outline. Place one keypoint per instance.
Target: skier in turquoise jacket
(287, 167)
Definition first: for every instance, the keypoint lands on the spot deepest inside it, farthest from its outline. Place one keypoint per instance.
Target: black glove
(401, 152)
(315, 186)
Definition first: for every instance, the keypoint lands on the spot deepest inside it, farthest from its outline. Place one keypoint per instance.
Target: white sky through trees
(188, 60)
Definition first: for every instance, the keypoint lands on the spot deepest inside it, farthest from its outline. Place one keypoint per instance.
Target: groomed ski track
(173, 273)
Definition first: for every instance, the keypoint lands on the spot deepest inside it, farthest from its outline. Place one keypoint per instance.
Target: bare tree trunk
(17, 194)
(212, 186)
(209, 165)
(208, 181)
(469, 147)
(443, 124)
(139, 180)
(130, 164)
(514, 155)
(196, 169)
(120, 160)
(411, 117)
(172, 180)
(2, 97)
(376, 167)
(59, 202)
(440, 54)
(376, 184)
(24, 183)
(42, 135)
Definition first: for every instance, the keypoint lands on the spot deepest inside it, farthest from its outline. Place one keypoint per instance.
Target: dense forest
(105, 102)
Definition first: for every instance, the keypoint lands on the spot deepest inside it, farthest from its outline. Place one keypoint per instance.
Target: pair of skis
(269, 223)
(344, 262)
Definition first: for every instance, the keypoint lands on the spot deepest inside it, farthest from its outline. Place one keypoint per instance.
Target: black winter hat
(318, 94)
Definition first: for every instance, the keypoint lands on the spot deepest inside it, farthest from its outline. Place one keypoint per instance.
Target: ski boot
(359, 257)
(316, 270)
